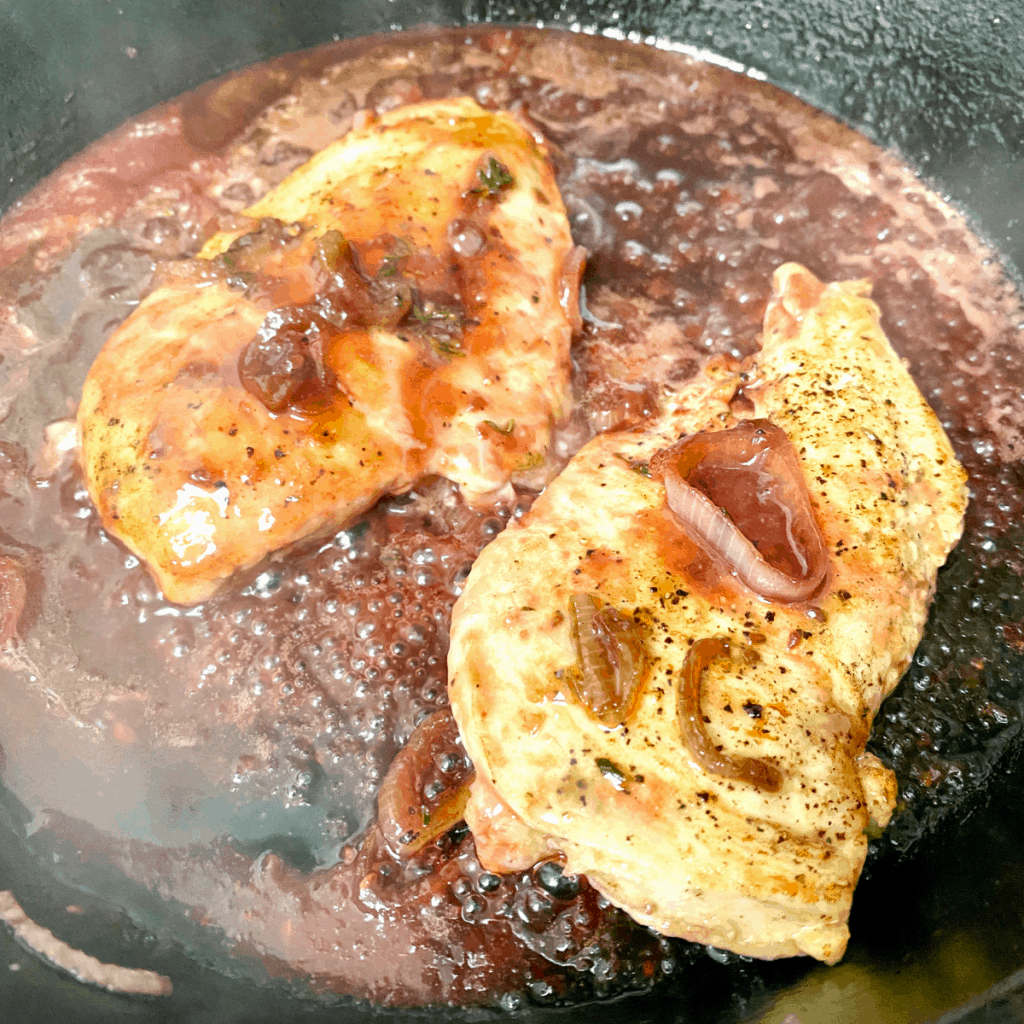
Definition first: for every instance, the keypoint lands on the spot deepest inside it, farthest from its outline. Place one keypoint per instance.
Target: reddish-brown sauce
(385, 282)
(229, 756)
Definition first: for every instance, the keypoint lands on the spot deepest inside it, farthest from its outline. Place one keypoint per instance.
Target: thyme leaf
(614, 774)
(494, 177)
(531, 460)
(642, 468)
(506, 429)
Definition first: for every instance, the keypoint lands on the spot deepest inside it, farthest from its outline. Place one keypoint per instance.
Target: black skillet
(940, 80)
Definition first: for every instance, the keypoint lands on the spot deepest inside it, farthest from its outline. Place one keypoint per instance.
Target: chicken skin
(401, 305)
(674, 709)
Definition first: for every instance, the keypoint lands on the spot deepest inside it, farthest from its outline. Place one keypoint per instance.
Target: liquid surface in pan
(227, 756)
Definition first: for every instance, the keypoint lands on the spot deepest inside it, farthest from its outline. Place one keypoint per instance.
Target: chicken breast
(726, 799)
(401, 305)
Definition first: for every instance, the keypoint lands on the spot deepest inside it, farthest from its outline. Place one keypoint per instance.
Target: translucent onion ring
(611, 659)
(714, 527)
(695, 734)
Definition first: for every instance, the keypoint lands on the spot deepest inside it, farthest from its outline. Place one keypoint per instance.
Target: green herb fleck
(614, 774)
(389, 265)
(431, 314)
(507, 429)
(873, 830)
(442, 327)
(638, 466)
(494, 176)
(531, 460)
(448, 347)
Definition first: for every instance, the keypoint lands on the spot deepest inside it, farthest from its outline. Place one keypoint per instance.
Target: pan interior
(946, 730)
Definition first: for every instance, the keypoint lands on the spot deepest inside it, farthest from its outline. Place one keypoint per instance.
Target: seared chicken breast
(401, 305)
(666, 673)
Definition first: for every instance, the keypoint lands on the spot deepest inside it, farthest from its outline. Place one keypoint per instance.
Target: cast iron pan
(940, 80)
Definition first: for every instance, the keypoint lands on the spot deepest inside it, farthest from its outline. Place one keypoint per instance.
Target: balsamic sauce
(228, 756)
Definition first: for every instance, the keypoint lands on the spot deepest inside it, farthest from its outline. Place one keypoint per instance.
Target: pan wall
(942, 80)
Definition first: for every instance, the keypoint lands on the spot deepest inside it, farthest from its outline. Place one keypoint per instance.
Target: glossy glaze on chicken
(229, 756)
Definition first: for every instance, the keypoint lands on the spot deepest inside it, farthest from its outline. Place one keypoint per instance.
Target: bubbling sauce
(228, 756)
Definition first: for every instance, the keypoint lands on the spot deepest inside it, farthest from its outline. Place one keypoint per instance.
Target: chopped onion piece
(426, 788)
(611, 659)
(702, 747)
(58, 448)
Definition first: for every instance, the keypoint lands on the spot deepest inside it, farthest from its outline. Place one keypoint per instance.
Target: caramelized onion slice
(611, 659)
(569, 280)
(741, 493)
(702, 747)
(283, 365)
(426, 788)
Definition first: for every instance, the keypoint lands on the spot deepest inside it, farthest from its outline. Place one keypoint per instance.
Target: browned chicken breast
(400, 305)
(666, 674)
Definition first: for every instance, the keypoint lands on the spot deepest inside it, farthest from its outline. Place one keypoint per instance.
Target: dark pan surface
(936, 932)
(940, 81)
